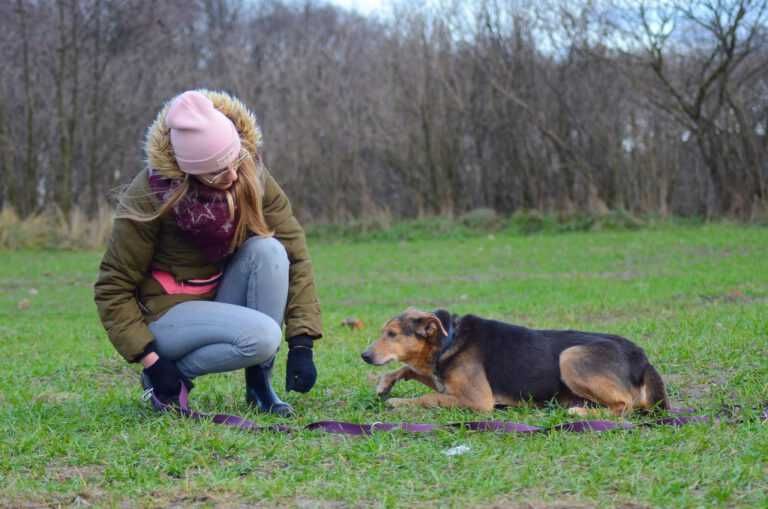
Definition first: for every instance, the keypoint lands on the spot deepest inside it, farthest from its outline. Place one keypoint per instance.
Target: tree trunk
(25, 202)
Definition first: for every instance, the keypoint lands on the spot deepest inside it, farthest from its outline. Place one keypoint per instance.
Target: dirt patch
(18, 503)
(62, 473)
(625, 275)
(22, 504)
(268, 468)
(309, 503)
(226, 501)
(13, 284)
(732, 296)
(192, 501)
(556, 505)
(694, 390)
(88, 497)
(115, 372)
(535, 505)
(698, 392)
(57, 397)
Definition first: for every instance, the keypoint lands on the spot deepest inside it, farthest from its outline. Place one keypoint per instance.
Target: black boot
(259, 392)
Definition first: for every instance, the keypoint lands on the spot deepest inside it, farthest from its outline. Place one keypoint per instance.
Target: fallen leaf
(353, 323)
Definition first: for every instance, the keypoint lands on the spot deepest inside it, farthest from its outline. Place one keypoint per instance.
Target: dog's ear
(445, 317)
(426, 326)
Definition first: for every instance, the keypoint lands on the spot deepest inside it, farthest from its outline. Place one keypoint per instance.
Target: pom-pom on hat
(204, 140)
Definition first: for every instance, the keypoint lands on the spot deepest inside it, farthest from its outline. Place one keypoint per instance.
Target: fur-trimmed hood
(159, 151)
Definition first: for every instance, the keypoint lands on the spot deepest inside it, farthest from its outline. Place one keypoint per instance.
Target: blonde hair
(244, 199)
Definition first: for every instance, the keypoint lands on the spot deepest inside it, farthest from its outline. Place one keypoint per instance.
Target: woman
(206, 259)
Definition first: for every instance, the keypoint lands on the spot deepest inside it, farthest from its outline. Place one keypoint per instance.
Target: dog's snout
(367, 357)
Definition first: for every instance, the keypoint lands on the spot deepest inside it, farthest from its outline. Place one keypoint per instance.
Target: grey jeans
(242, 326)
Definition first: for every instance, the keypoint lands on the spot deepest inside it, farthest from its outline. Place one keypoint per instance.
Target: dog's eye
(391, 334)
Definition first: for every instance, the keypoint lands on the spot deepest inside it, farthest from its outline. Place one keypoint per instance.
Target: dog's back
(516, 362)
(524, 364)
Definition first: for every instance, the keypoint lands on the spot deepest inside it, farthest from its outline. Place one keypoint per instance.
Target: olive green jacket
(128, 298)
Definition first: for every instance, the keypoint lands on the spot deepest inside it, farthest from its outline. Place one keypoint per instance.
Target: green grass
(73, 430)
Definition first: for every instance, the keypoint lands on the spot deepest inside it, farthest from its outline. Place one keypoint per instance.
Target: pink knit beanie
(203, 138)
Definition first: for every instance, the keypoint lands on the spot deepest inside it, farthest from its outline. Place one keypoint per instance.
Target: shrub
(52, 229)
(485, 219)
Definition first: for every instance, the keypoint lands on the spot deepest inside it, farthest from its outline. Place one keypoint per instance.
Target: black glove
(300, 373)
(166, 379)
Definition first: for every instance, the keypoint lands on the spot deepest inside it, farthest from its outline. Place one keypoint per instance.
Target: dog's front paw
(397, 402)
(384, 387)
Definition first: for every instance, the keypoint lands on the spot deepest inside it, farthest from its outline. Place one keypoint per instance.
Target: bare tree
(705, 56)
(27, 195)
(560, 106)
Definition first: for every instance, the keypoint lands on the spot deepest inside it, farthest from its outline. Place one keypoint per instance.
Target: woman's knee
(261, 342)
(265, 249)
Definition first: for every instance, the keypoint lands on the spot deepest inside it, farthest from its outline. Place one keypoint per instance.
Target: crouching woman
(206, 259)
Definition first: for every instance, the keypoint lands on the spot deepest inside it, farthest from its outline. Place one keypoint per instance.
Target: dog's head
(411, 338)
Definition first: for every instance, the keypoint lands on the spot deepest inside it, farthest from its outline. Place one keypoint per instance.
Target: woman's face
(221, 179)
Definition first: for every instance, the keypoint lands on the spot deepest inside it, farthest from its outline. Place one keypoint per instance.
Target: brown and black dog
(477, 363)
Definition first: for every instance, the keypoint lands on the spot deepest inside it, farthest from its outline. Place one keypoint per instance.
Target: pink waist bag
(189, 287)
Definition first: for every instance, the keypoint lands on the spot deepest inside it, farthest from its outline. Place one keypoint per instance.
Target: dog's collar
(447, 341)
(445, 345)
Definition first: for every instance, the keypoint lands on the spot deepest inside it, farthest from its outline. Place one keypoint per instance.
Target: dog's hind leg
(388, 380)
(598, 373)
(653, 395)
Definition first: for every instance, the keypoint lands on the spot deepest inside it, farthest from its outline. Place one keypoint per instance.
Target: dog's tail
(654, 394)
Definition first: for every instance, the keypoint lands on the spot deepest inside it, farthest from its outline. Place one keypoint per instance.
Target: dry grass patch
(53, 228)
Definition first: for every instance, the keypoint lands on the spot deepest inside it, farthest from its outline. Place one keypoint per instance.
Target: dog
(476, 363)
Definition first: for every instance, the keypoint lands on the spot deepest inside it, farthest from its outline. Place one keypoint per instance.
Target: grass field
(73, 430)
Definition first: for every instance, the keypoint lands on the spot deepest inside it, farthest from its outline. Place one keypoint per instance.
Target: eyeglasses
(213, 178)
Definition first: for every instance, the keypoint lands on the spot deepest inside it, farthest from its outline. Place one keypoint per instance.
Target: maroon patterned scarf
(202, 215)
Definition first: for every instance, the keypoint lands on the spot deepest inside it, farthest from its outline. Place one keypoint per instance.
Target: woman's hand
(166, 378)
(163, 374)
(300, 372)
